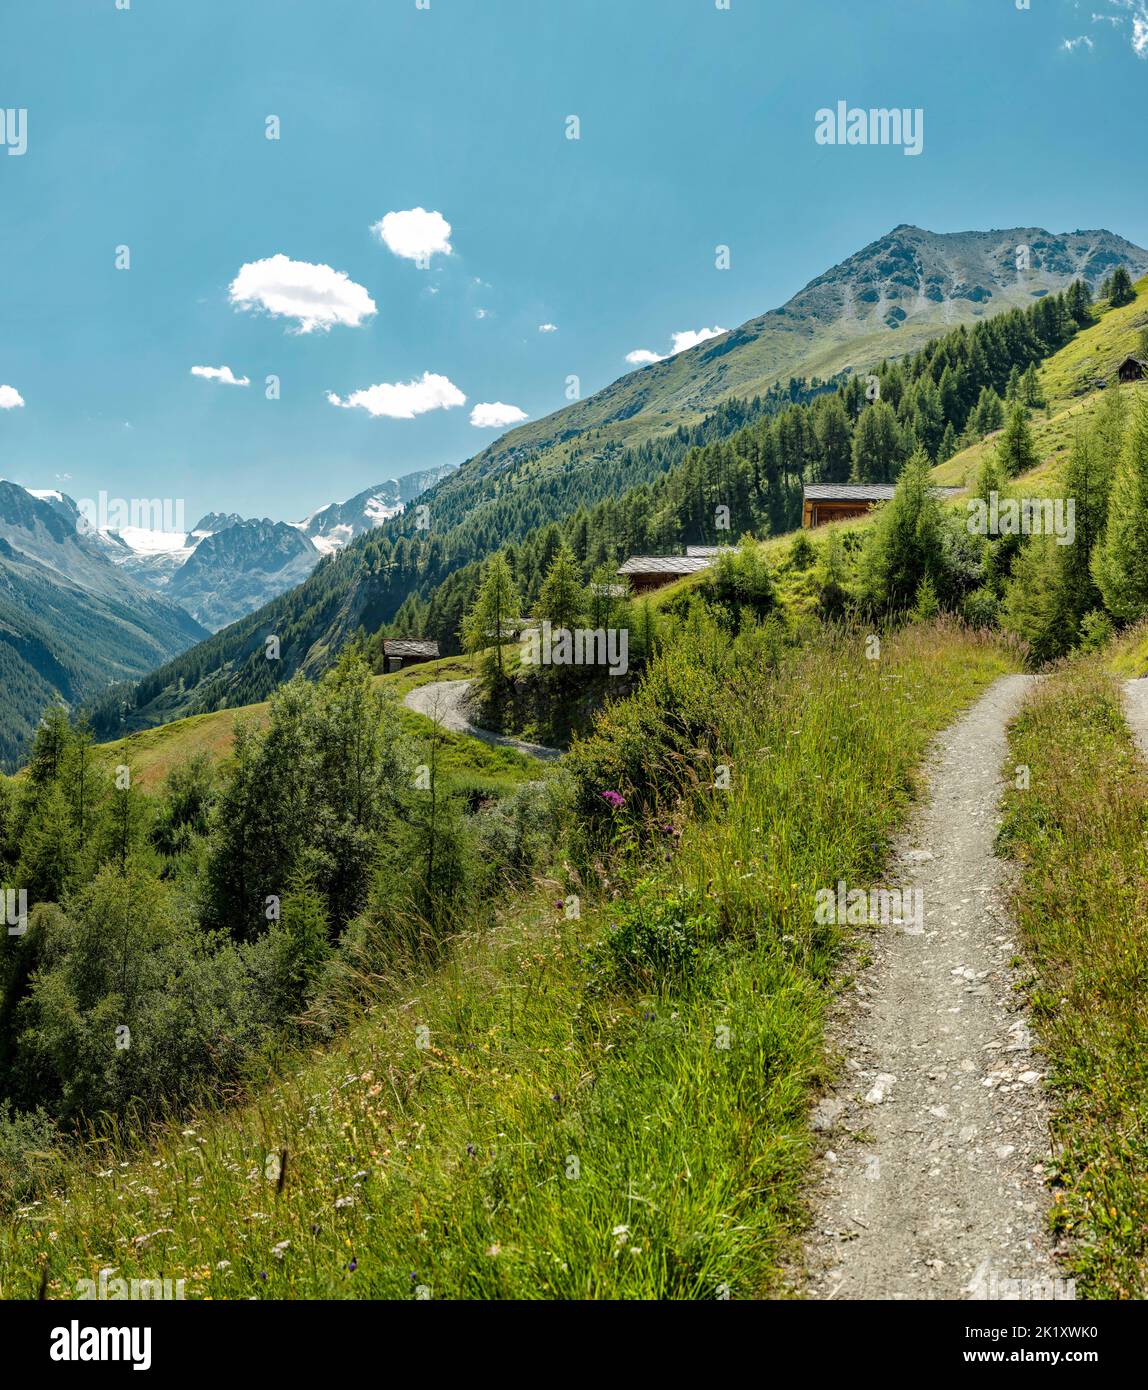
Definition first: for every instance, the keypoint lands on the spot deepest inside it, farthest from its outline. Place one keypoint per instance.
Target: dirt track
(931, 1183)
(445, 702)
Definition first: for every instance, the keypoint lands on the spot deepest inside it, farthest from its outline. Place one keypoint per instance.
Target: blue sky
(146, 128)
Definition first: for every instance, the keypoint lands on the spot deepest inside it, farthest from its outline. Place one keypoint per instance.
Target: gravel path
(446, 703)
(1136, 712)
(935, 1139)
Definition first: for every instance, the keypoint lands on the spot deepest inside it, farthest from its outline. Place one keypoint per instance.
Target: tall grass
(529, 1120)
(1081, 903)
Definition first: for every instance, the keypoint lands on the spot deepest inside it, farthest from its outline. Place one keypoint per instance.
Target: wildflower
(613, 799)
(281, 1249)
(353, 1265)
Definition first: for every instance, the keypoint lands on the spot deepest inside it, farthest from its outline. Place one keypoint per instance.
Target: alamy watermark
(16, 910)
(14, 129)
(854, 125)
(857, 907)
(1023, 516)
(581, 646)
(114, 1290)
(986, 1285)
(106, 513)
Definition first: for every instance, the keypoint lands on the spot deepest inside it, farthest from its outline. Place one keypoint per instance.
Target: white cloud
(223, 374)
(404, 400)
(1139, 17)
(482, 313)
(315, 295)
(548, 328)
(10, 398)
(415, 235)
(693, 336)
(1081, 41)
(682, 342)
(495, 415)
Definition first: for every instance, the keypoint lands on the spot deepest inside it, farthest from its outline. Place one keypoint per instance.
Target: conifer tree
(1087, 484)
(1030, 392)
(834, 441)
(878, 445)
(1121, 290)
(562, 600)
(1078, 303)
(1015, 448)
(906, 544)
(1120, 563)
(497, 605)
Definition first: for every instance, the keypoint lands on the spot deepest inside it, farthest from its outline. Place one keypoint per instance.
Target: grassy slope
(551, 1142)
(1127, 656)
(1066, 383)
(1078, 833)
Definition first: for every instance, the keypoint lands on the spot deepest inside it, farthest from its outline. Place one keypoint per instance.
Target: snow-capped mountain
(71, 621)
(226, 565)
(333, 526)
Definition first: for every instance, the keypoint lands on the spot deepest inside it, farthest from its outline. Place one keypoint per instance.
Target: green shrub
(30, 1155)
(1096, 630)
(654, 942)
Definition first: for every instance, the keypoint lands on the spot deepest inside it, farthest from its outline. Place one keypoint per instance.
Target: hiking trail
(446, 703)
(937, 1133)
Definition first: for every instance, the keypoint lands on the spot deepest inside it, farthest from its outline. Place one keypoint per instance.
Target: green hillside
(152, 754)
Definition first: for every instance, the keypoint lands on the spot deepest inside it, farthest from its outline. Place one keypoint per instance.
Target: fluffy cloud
(10, 398)
(314, 295)
(495, 415)
(404, 400)
(1140, 33)
(1083, 41)
(223, 374)
(548, 328)
(682, 342)
(415, 235)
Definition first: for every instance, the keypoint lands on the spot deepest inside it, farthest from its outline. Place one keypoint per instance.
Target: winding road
(446, 703)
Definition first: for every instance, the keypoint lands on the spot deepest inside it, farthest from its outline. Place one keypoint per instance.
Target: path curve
(446, 703)
(937, 1134)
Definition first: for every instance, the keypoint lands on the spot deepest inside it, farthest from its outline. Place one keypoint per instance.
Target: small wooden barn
(825, 502)
(399, 652)
(1132, 369)
(649, 572)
